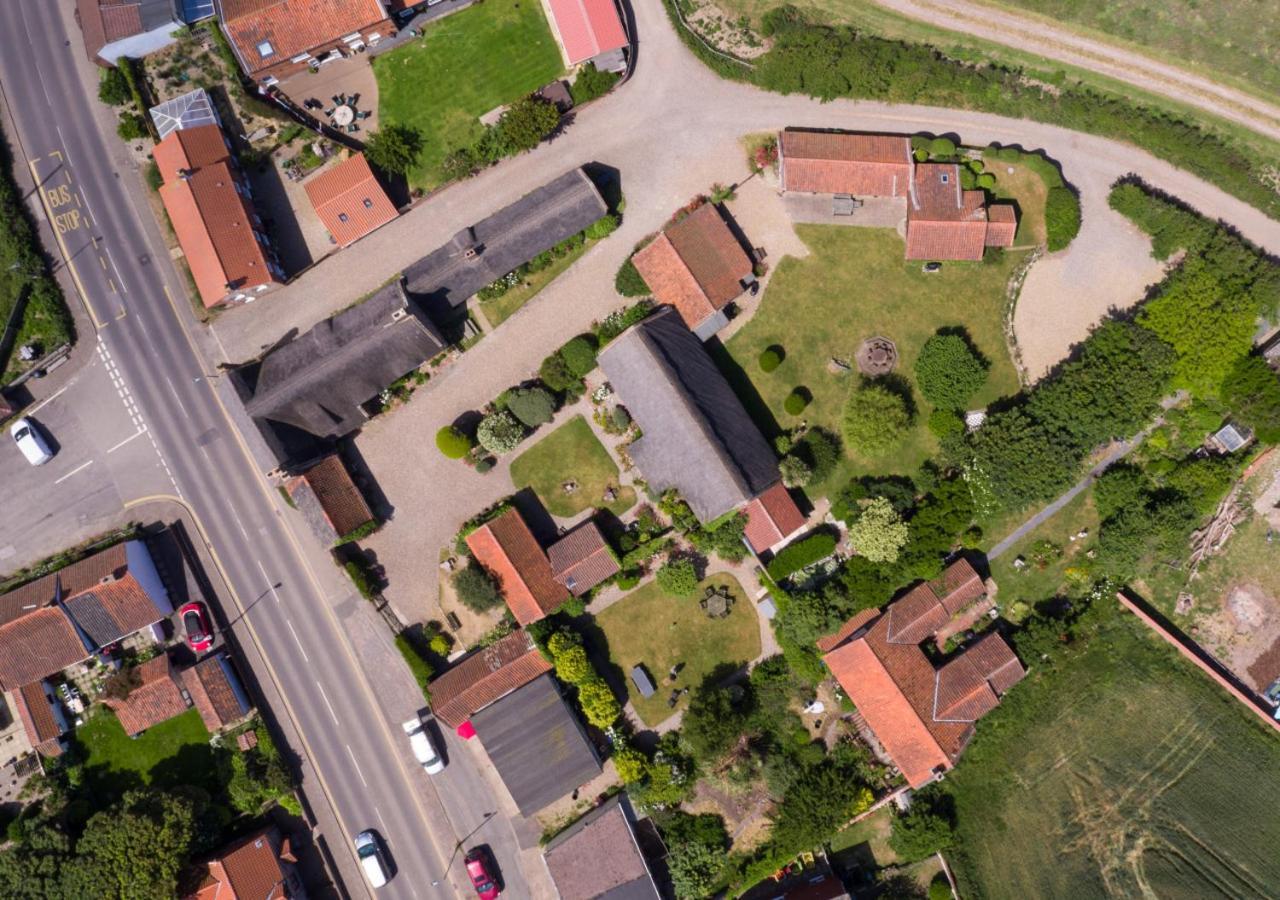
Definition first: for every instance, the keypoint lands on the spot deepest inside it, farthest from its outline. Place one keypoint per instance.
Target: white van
(30, 441)
(370, 854)
(423, 750)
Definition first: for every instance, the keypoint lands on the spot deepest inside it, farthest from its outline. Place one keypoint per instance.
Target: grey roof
(697, 437)
(598, 857)
(192, 109)
(317, 381)
(507, 239)
(537, 744)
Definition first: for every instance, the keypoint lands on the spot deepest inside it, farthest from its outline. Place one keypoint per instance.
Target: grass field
(171, 753)
(1123, 773)
(571, 453)
(855, 284)
(467, 64)
(657, 630)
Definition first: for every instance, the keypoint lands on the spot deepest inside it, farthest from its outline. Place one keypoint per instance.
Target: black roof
(317, 382)
(507, 239)
(698, 437)
(537, 744)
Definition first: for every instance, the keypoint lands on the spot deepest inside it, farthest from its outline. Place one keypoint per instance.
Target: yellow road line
(62, 245)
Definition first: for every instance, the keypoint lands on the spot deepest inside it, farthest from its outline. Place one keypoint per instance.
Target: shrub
(796, 401)
(458, 164)
(500, 432)
(484, 465)
(555, 374)
(949, 372)
(361, 577)
(879, 532)
(678, 578)
(875, 419)
(476, 589)
(113, 88)
(394, 148)
(629, 282)
(632, 764)
(532, 406)
(986, 181)
(627, 579)
(591, 83)
(579, 354)
(942, 147)
(821, 450)
(940, 888)
(602, 227)
(620, 418)
(131, 126)
(360, 532)
(151, 173)
(1061, 218)
(598, 703)
(617, 322)
(922, 831)
(945, 424)
(525, 123)
(418, 665)
(795, 471)
(572, 665)
(770, 358)
(453, 443)
(806, 552)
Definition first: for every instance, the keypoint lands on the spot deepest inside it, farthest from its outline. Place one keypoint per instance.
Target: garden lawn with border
(465, 65)
(1122, 772)
(571, 453)
(652, 628)
(174, 752)
(1023, 589)
(854, 285)
(499, 309)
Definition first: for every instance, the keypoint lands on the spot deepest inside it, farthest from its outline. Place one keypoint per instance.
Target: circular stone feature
(877, 356)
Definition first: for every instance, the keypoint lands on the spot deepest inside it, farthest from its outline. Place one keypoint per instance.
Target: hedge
(1061, 218)
(417, 662)
(358, 533)
(795, 557)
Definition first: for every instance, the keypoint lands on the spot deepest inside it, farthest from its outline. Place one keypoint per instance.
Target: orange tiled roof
(771, 517)
(188, 149)
(337, 494)
(37, 718)
(875, 165)
(1002, 225)
(855, 623)
(212, 693)
(37, 645)
(249, 869)
(75, 578)
(485, 676)
(349, 200)
(292, 27)
(508, 549)
(157, 699)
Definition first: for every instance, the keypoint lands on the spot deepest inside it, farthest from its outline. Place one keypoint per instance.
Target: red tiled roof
(1002, 225)
(75, 578)
(876, 165)
(343, 504)
(157, 699)
(38, 645)
(37, 718)
(943, 220)
(485, 676)
(582, 559)
(106, 21)
(963, 694)
(772, 517)
(349, 200)
(249, 869)
(508, 549)
(212, 692)
(188, 149)
(958, 586)
(293, 27)
(996, 662)
(587, 28)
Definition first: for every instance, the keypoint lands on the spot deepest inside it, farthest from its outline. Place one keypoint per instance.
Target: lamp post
(458, 846)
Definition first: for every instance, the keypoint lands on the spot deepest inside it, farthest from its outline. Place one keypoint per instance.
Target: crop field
(1123, 773)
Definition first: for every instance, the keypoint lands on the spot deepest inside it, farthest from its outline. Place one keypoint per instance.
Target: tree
(875, 419)
(499, 432)
(717, 716)
(1120, 487)
(572, 665)
(525, 123)
(942, 147)
(394, 148)
(476, 588)
(532, 406)
(629, 282)
(1252, 392)
(821, 450)
(555, 374)
(598, 703)
(453, 443)
(632, 765)
(795, 471)
(879, 532)
(1061, 218)
(579, 354)
(1204, 481)
(678, 578)
(694, 869)
(949, 372)
(138, 848)
(924, 829)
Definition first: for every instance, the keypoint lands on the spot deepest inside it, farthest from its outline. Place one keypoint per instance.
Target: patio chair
(353, 127)
(337, 100)
(363, 115)
(330, 111)
(353, 99)
(342, 99)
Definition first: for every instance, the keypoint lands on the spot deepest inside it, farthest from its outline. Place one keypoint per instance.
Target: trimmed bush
(453, 443)
(591, 83)
(875, 419)
(361, 578)
(476, 589)
(500, 432)
(795, 557)
(629, 282)
(1061, 218)
(555, 374)
(113, 87)
(942, 147)
(678, 578)
(418, 665)
(949, 372)
(358, 533)
(771, 358)
(532, 406)
(796, 402)
(598, 703)
(602, 227)
(579, 354)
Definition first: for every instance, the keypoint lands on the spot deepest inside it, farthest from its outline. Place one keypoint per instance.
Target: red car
(195, 622)
(480, 870)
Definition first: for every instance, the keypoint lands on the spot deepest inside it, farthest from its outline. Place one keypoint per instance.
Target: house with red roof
(210, 206)
(588, 31)
(261, 866)
(329, 499)
(349, 200)
(512, 555)
(486, 676)
(156, 698)
(216, 691)
(697, 265)
(42, 717)
(273, 39)
(582, 559)
(943, 221)
(922, 716)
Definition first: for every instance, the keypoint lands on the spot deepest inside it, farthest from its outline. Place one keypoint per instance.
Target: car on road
(480, 870)
(423, 750)
(369, 851)
(195, 622)
(30, 441)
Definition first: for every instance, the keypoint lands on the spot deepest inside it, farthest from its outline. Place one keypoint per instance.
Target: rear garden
(571, 471)
(172, 753)
(466, 65)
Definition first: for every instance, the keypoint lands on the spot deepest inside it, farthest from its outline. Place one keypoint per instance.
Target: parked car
(195, 622)
(480, 869)
(369, 851)
(30, 441)
(423, 750)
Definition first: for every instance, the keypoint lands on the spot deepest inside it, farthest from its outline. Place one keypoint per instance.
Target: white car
(30, 441)
(370, 855)
(423, 750)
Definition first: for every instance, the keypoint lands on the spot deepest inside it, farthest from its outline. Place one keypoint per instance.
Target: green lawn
(571, 453)
(467, 64)
(502, 308)
(1123, 773)
(171, 753)
(657, 630)
(855, 284)
(1022, 589)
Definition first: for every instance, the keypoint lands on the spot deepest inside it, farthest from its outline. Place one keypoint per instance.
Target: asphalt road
(351, 742)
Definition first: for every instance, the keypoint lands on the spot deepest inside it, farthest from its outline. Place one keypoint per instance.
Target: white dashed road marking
(131, 407)
(356, 764)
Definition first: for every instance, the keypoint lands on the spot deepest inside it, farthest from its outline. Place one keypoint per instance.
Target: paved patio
(341, 77)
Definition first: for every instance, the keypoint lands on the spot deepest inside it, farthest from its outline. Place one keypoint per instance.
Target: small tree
(453, 443)
(632, 764)
(113, 88)
(500, 432)
(629, 282)
(131, 126)
(948, 371)
(525, 123)
(532, 406)
(579, 354)
(591, 83)
(394, 148)
(598, 703)
(678, 578)
(572, 666)
(923, 830)
(795, 471)
(555, 374)
(879, 533)
(476, 589)
(942, 147)
(875, 419)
